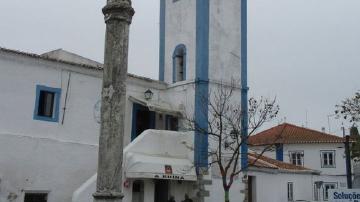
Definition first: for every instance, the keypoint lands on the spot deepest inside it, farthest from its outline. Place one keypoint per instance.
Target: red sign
(168, 170)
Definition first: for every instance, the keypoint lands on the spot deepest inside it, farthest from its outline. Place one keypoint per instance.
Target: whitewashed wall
(224, 40)
(273, 187)
(180, 25)
(42, 164)
(18, 79)
(51, 156)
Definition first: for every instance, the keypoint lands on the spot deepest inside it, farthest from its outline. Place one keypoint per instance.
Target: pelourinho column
(118, 16)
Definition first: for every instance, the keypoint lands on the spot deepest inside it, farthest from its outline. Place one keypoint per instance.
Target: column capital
(120, 10)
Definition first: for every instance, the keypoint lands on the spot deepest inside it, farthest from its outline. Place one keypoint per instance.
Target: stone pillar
(118, 15)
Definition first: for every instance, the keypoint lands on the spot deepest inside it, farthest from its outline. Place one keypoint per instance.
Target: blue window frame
(179, 63)
(47, 103)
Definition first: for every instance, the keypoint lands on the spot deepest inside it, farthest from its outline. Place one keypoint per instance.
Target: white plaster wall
(36, 150)
(312, 156)
(224, 39)
(18, 82)
(41, 164)
(217, 193)
(180, 28)
(273, 187)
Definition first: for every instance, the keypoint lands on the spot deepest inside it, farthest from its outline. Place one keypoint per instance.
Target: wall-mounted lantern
(148, 94)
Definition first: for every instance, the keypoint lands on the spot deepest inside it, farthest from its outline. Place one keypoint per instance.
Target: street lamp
(148, 94)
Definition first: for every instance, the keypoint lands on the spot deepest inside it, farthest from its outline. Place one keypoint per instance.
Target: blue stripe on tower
(244, 87)
(162, 40)
(202, 82)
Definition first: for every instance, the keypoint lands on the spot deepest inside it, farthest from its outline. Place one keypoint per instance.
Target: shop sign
(344, 195)
(126, 183)
(169, 177)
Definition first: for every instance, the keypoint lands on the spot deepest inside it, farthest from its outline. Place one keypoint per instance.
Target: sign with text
(344, 195)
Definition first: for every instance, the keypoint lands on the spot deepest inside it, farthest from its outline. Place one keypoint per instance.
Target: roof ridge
(91, 67)
(269, 129)
(313, 130)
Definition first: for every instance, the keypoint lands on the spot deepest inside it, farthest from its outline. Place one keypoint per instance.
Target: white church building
(50, 109)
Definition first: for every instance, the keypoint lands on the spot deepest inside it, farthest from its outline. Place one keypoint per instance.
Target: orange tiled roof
(291, 134)
(256, 160)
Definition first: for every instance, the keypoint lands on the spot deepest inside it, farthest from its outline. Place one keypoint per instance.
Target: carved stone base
(108, 196)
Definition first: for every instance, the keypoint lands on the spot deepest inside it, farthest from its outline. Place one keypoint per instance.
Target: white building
(55, 156)
(49, 123)
(49, 120)
(309, 148)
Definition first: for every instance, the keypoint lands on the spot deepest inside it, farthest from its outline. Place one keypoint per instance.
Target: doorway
(251, 189)
(142, 119)
(161, 191)
(35, 197)
(138, 191)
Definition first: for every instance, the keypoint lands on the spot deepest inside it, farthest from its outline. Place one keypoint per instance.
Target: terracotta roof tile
(292, 134)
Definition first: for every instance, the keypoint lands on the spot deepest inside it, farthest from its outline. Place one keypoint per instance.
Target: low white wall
(39, 164)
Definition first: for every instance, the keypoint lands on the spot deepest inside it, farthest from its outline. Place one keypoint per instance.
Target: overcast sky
(304, 52)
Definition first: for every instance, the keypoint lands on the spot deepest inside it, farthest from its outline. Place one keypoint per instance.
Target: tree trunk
(227, 198)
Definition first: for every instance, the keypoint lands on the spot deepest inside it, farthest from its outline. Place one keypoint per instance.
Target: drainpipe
(244, 87)
(348, 162)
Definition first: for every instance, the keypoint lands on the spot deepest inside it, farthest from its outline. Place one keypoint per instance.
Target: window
(179, 63)
(47, 103)
(327, 159)
(316, 192)
(297, 158)
(35, 197)
(142, 119)
(326, 188)
(172, 123)
(290, 191)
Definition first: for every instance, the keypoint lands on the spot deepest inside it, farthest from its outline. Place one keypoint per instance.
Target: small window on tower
(179, 63)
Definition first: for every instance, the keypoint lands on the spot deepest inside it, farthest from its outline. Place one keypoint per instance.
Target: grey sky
(304, 52)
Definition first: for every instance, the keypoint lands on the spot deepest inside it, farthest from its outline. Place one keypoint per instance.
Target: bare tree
(224, 129)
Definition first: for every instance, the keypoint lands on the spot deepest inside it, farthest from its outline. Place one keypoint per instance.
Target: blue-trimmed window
(47, 103)
(179, 63)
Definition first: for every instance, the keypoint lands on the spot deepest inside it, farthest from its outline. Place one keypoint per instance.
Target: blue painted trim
(180, 50)
(57, 92)
(162, 40)
(244, 87)
(279, 152)
(202, 83)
